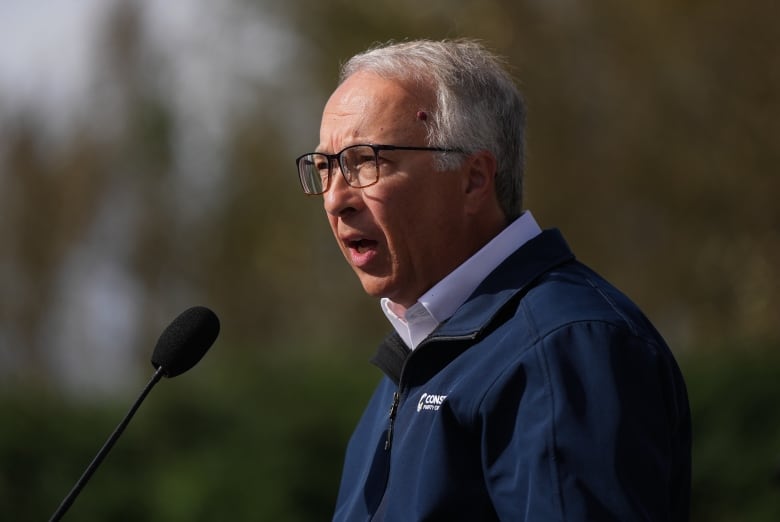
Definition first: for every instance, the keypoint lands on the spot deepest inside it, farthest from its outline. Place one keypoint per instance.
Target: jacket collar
(512, 277)
(516, 274)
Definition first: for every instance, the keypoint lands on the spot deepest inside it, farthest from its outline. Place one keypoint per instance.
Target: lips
(361, 245)
(360, 250)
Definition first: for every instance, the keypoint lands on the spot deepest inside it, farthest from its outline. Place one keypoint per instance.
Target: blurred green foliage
(735, 404)
(261, 441)
(264, 441)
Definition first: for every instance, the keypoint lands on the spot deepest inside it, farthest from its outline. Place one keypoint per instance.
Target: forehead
(367, 108)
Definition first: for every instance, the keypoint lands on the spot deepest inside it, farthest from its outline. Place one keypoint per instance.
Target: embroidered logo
(430, 402)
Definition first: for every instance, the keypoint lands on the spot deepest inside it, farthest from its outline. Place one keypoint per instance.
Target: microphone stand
(68, 500)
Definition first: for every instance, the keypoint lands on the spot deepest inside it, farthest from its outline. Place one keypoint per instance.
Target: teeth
(361, 245)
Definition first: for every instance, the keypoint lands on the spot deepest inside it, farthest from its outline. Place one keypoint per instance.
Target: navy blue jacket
(547, 396)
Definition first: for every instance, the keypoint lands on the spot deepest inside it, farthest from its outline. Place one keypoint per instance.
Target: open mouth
(361, 245)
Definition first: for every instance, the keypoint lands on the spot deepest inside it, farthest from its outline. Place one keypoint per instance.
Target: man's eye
(320, 165)
(358, 161)
(362, 160)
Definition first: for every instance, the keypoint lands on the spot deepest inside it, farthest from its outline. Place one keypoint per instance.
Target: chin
(374, 292)
(375, 286)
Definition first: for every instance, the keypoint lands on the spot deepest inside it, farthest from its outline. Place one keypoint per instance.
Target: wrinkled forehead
(368, 108)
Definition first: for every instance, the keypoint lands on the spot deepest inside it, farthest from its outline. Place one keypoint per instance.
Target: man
(519, 385)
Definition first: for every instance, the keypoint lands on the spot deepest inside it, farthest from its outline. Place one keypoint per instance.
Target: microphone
(181, 345)
(185, 341)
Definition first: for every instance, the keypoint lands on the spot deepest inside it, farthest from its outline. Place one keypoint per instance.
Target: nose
(340, 197)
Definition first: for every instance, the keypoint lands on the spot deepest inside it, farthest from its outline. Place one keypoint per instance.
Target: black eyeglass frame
(338, 157)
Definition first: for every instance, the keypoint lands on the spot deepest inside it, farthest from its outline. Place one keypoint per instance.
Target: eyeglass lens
(358, 164)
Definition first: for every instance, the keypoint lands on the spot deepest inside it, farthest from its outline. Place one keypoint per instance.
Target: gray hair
(478, 107)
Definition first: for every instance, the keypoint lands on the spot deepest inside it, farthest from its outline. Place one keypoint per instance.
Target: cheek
(406, 226)
(412, 211)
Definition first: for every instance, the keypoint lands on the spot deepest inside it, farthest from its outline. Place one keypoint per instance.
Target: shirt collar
(443, 299)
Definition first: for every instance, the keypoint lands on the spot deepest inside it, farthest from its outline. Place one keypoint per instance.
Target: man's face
(403, 234)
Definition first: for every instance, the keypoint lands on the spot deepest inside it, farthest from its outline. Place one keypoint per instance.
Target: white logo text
(430, 402)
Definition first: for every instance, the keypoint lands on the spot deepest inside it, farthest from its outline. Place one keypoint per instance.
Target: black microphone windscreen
(185, 341)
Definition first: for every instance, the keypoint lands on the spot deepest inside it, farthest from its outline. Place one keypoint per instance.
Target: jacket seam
(612, 305)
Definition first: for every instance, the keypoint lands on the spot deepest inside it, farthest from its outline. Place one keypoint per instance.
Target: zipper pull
(393, 411)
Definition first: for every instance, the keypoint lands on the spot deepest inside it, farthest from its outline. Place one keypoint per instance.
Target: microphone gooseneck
(181, 345)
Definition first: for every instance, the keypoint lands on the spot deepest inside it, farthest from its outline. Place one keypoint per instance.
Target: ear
(480, 181)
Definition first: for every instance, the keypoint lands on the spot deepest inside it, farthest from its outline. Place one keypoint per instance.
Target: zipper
(397, 393)
(393, 412)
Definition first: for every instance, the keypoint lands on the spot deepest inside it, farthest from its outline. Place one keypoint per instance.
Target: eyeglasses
(359, 165)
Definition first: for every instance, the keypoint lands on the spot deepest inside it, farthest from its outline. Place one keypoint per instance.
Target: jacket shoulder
(573, 293)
